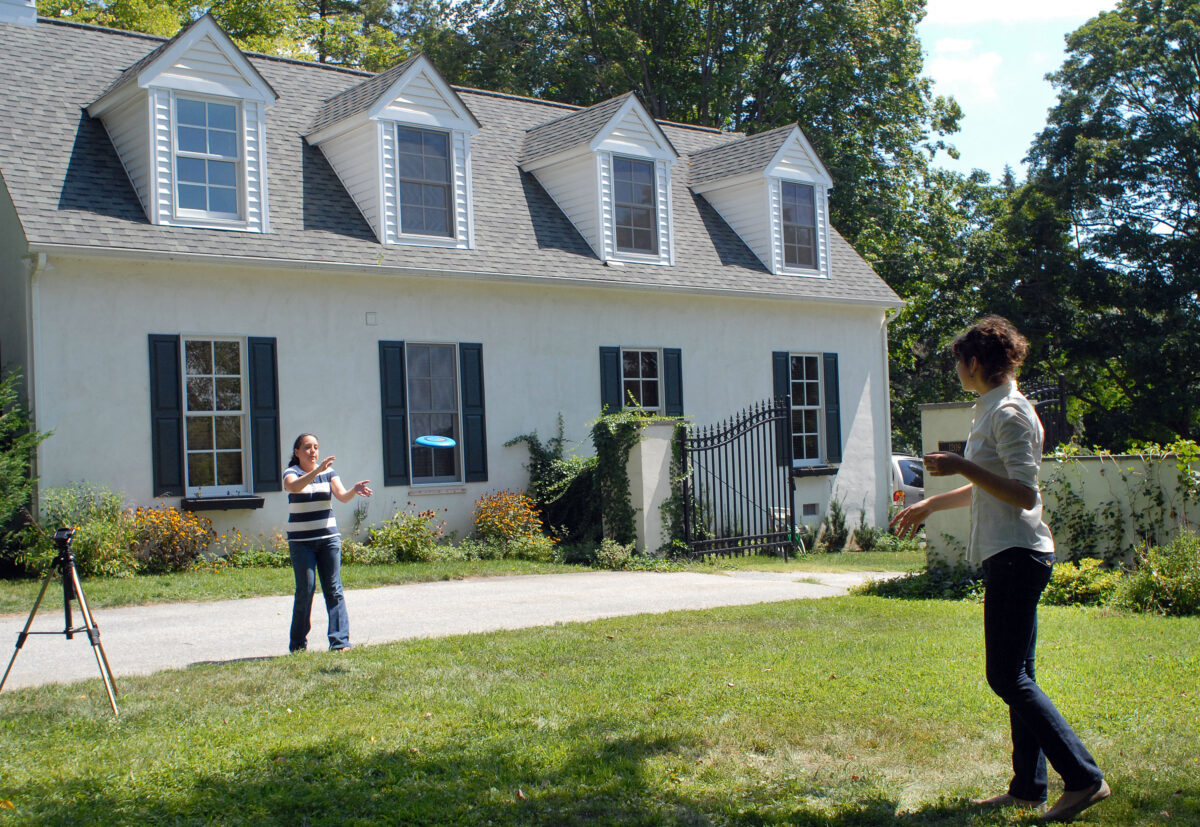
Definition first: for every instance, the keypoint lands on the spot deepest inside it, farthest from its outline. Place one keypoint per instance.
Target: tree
(1120, 155)
(17, 444)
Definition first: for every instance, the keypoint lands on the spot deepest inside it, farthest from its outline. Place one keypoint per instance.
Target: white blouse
(1006, 439)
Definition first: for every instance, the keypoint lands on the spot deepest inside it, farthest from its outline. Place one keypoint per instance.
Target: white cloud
(956, 70)
(965, 12)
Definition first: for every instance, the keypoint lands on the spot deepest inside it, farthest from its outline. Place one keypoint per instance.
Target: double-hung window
(640, 379)
(636, 219)
(805, 377)
(425, 164)
(207, 159)
(799, 226)
(215, 416)
(432, 372)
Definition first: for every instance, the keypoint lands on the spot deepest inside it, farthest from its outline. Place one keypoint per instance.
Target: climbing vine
(614, 436)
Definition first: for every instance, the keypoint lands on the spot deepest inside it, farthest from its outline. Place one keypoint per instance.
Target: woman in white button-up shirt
(1016, 550)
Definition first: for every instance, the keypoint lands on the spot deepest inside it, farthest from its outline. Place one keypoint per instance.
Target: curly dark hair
(997, 345)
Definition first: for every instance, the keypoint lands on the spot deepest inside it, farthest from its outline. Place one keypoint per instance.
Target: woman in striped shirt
(314, 541)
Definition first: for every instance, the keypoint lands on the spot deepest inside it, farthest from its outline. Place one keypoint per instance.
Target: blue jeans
(309, 558)
(1013, 583)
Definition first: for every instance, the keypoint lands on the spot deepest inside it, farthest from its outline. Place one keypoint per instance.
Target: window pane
(810, 421)
(436, 169)
(199, 433)
(632, 388)
(649, 364)
(643, 240)
(222, 174)
(410, 166)
(649, 394)
(435, 144)
(441, 361)
(198, 356)
(191, 170)
(408, 141)
(624, 239)
(810, 448)
(222, 116)
(229, 432)
(192, 197)
(812, 394)
(630, 363)
(229, 468)
(433, 197)
(418, 360)
(229, 394)
(189, 112)
(200, 394)
(201, 470)
(190, 139)
(420, 394)
(222, 200)
(227, 359)
(223, 144)
(443, 395)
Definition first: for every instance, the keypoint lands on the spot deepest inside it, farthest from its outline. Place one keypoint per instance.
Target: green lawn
(835, 712)
(17, 596)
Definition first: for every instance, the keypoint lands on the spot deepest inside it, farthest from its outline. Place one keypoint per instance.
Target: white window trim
(658, 352)
(392, 227)
(202, 491)
(204, 217)
(408, 414)
(820, 228)
(439, 240)
(663, 206)
(819, 460)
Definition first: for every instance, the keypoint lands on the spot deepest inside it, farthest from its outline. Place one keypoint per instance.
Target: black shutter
(672, 381)
(166, 416)
(474, 433)
(611, 400)
(266, 472)
(782, 385)
(833, 410)
(394, 413)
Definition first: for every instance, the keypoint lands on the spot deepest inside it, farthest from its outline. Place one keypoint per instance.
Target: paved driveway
(145, 639)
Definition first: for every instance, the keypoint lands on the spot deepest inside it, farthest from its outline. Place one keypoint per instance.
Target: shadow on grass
(599, 781)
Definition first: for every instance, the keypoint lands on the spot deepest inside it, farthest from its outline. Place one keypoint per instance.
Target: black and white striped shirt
(310, 512)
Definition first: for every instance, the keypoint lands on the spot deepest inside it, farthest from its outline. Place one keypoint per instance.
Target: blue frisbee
(435, 441)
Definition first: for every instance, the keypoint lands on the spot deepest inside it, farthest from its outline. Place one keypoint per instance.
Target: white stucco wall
(540, 356)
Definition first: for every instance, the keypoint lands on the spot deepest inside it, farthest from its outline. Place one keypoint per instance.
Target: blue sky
(993, 58)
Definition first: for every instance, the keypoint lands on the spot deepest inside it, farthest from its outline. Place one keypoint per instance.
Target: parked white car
(908, 479)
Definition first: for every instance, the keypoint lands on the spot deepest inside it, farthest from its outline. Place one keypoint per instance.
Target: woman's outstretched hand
(906, 523)
(361, 489)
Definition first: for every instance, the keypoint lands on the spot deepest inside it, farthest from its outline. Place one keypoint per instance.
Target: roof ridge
(744, 139)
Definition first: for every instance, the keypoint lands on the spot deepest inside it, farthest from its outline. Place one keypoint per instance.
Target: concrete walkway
(144, 639)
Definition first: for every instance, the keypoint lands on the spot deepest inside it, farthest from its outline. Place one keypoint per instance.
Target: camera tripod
(64, 564)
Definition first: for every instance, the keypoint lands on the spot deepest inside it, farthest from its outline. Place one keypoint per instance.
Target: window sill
(815, 471)
(234, 503)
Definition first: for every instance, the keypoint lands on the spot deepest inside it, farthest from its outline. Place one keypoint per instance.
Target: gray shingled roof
(750, 154)
(136, 69)
(573, 130)
(363, 96)
(70, 190)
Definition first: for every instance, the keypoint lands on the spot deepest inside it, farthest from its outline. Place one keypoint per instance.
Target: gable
(205, 67)
(632, 131)
(796, 160)
(420, 98)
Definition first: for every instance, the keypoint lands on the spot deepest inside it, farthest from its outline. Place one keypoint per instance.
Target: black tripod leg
(25, 632)
(93, 633)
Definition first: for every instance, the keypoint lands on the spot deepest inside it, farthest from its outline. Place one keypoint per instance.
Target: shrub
(1167, 579)
(168, 539)
(409, 537)
(866, 537)
(105, 548)
(1086, 583)
(362, 554)
(104, 544)
(834, 524)
(534, 547)
(504, 516)
(234, 550)
(938, 582)
(17, 444)
(613, 556)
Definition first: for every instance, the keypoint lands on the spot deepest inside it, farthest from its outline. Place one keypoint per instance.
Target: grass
(836, 712)
(17, 596)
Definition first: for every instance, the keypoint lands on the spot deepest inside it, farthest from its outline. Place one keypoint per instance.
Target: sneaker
(1074, 802)
(1008, 800)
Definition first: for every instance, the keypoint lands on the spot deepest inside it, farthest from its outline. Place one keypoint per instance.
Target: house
(204, 253)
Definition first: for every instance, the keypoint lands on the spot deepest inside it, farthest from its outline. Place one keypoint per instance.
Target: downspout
(889, 317)
(37, 262)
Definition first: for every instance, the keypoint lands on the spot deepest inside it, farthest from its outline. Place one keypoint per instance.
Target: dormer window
(799, 226)
(424, 161)
(206, 159)
(635, 217)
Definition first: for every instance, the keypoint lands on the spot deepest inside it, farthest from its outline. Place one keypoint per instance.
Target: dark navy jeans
(1013, 583)
(310, 558)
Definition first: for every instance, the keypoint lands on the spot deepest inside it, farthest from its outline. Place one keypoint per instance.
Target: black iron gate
(1049, 398)
(738, 486)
